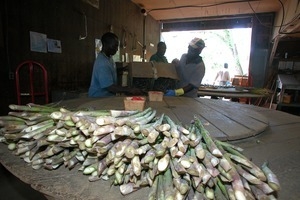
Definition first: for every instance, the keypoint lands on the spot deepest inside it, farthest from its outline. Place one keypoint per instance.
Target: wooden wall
(64, 20)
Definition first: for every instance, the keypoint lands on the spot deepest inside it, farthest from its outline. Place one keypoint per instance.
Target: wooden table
(220, 118)
(227, 93)
(224, 120)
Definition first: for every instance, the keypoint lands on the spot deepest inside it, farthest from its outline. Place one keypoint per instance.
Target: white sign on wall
(38, 42)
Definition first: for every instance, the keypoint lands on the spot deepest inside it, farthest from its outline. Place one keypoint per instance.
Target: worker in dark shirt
(159, 56)
(162, 83)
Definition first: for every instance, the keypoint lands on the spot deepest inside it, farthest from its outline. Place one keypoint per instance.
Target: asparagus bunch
(134, 150)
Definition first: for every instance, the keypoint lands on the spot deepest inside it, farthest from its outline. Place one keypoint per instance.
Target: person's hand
(170, 93)
(175, 61)
(135, 91)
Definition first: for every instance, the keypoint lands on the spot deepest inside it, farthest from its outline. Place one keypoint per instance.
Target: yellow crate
(134, 103)
(155, 95)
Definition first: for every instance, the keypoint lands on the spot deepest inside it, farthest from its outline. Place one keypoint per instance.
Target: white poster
(38, 42)
(54, 46)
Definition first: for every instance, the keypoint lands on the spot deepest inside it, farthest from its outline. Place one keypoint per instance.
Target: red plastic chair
(31, 81)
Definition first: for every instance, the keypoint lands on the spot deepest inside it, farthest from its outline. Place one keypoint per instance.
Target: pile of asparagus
(136, 149)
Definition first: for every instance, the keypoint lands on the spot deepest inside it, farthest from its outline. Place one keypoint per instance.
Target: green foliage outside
(231, 46)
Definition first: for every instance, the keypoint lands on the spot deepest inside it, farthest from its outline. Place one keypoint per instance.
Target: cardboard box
(151, 70)
(155, 95)
(166, 70)
(134, 103)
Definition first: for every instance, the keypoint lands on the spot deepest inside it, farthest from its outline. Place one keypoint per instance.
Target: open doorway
(230, 46)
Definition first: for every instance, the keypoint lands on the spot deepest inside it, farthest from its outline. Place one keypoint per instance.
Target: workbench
(223, 119)
(227, 92)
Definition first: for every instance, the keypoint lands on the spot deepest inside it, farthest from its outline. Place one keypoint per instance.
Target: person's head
(161, 48)
(110, 43)
(225, 65)
(195, 47)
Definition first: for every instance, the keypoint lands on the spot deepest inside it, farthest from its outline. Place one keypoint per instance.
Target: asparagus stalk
(258, 193)
(104, 129)
(168, 185)
(147, 130)
(207, 138)
(249, 177)
(149, 157)
(271, 177)
(147, 118)
(105, 120)
(163, 163)
(222, 187)
(93, 113)
(121, 121)
(30, 116)
(175, 133)
(122, 113)
(140, 119)
(11, 125)
(237, 183)
(128, 188)
(209, 193)
(7, 119)
(32, 108)
(152, 136)
(152, 193)
(160, 190)
(136, 165)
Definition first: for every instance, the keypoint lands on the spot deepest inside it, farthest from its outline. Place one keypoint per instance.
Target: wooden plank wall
(64, 20)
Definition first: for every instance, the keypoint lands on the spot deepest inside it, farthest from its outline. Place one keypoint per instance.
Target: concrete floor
(279, 145)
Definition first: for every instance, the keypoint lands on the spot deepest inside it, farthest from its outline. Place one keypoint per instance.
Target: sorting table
(223, 119)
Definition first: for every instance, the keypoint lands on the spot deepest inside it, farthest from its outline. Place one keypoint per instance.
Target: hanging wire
(241, 1)
(282, 19)
(202, 6)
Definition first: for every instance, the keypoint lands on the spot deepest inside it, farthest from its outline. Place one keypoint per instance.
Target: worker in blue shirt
(104, 76)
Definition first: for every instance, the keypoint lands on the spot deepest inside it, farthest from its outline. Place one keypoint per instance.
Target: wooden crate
(240, 81)
(134, 103)
(155, 95)
(286, 98)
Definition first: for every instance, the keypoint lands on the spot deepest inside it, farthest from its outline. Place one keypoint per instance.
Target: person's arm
(216, 78)
(180, 91)
(175, 61)
(188, 88)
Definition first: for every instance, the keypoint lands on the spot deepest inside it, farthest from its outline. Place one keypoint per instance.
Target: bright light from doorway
(231, 46)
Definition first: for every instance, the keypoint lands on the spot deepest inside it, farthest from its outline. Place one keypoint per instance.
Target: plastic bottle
(124, 78)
